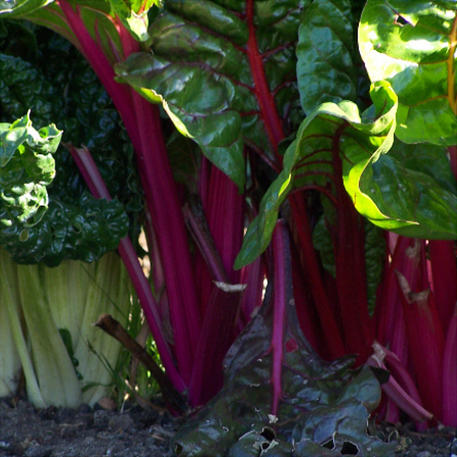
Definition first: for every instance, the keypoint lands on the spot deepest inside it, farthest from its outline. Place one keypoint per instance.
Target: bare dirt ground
(135, 432)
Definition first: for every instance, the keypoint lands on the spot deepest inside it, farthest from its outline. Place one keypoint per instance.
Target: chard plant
(49, 219)
(47, 313)
(351, 141)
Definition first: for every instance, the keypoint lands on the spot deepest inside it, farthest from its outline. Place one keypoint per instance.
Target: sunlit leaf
(412, 44)
(226, 79)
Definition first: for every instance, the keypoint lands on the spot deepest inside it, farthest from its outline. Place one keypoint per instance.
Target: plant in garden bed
(239, 78)
(48, 219)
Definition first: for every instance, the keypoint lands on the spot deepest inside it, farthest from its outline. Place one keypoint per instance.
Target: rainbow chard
(425, 340)
(101, 35)
(423, 77)
(450, 373)
(105, 35)
(240, 79)
(343, 131)
(329, 404)
(424, 80)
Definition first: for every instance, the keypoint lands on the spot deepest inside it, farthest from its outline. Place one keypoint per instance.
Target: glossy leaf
(17, 8)
(223, 78)
(323, 399)
(64, 232)
(71, 95)
(413, 184)
(134, 16)
(412, 45)
(325, 49)
(26, 169)
(329, 129)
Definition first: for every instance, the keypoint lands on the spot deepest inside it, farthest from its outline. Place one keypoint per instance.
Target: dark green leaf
(202, 69)
(325, 63)
(71, 95)
(321, 402)
(322, 242)
(375, 252)
(65, 232)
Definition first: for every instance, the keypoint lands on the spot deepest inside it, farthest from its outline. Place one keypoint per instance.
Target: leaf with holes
(412, 44)
(322, 404)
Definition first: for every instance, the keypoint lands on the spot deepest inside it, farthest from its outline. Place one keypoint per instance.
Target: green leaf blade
(17, 8)
(206, 67)
(412, 45)
(325, 65)
(26, 169)
(331, 128)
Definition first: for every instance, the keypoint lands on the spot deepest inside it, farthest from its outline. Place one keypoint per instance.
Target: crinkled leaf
(26, 169)
(332, 132)
(66, 232)
(412, 44)
(321, 401)
(205, 67)
(71, 95)
(325, 50)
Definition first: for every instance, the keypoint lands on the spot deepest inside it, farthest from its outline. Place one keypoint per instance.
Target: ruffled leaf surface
(324, 406)
(207, 63)
(391, 196)
(26, 169)
(71, 96)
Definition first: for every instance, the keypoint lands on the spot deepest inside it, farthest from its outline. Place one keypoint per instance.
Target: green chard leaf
(331, 134)
(420, 200)
(65, 232)
(225, 74)
(34, 228)
(394, 194)
(412, 44)
(134, 16)
(16, 8)
(326, 54)
(71, 94)
(26, 169)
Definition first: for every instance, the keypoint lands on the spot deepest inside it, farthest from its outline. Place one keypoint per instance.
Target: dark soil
(85, 432)
(135, 432)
